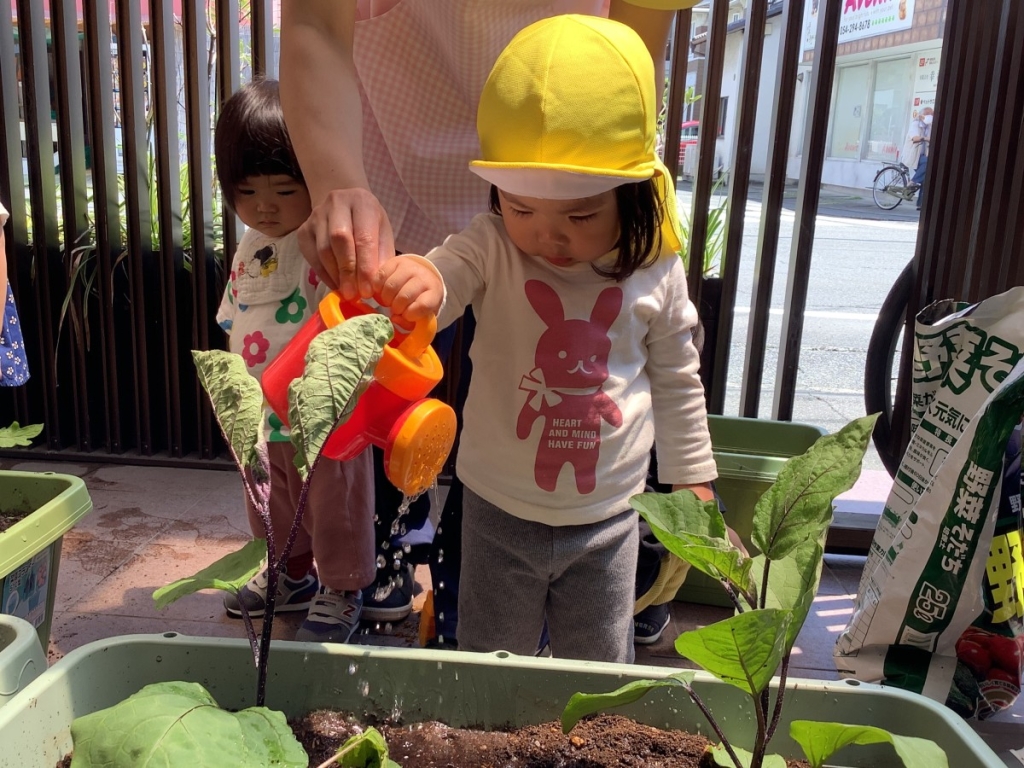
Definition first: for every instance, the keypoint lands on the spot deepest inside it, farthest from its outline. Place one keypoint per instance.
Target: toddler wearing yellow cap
(583, 355)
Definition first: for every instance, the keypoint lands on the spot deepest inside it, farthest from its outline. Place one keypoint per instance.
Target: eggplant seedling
(772, 593)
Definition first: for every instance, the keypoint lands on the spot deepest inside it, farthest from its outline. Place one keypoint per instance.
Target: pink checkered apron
(422, 65)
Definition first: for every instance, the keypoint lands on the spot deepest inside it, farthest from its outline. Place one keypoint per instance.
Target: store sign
(926, 80)
(860, 19)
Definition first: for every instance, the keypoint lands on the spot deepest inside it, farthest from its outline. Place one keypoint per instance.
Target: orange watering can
(394, 413)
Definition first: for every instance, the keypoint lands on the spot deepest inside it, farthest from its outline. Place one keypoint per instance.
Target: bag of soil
(940, 605)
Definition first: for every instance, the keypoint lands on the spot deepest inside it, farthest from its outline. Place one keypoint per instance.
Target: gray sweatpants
(516, 573)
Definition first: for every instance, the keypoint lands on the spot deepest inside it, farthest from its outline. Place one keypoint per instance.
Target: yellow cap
(574, 96)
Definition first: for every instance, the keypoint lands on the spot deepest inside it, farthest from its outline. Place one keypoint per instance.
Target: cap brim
(553, 183)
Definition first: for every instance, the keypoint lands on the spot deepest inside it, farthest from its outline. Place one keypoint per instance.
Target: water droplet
(381, 561)
(397, 564)
(440, 585)
(382, 592)
(376, 518)
(407, 548)
(385, 545)
(159, 658)
(407, 501)
(394, 528)
(388, 628)
(440, 616)
(364, 688)
(440, 555)
(439, 529)
(352, 669)
(403, 530)
(399, 581)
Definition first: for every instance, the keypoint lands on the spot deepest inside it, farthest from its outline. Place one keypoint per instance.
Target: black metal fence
(117, 236)
(116, 246)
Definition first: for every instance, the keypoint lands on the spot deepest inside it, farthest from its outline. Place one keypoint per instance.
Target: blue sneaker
(333, 617)
(292, 595)
(650, 623)
(389, 598)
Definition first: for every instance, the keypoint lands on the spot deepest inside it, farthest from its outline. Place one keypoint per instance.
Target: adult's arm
(3, 279)
(3, 271)
(348, 234)
(3, 259)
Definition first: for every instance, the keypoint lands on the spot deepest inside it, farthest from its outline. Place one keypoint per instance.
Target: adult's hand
(346, 239)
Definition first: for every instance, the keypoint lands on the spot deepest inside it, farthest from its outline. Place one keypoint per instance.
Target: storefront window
(848, 113)
(890, 109)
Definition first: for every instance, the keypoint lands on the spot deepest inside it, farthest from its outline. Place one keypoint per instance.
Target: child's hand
(411, 287)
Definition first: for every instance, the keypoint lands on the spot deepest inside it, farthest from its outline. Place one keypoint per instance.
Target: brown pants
(337, 525)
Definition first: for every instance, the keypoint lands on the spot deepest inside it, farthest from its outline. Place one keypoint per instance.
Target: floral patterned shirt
(270, 294)
(13, 363)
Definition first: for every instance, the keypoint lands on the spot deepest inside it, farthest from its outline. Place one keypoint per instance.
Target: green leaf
(743, 650)
(177, 723)
(694, 531)
(583, 704)
(681, 512)
(721, 757)
(798, 506)
(821, 740)
(365, 750)
(237, 401)
(227, 574)
(792, 583)
(18, 435)
(339, 366)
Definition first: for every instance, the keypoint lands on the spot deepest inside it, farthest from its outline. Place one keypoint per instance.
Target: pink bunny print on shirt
(564, 389)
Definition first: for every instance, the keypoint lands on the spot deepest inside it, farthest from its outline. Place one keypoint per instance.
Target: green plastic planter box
(30, 549)
(459, 688)
(749, 453)
(21, 657)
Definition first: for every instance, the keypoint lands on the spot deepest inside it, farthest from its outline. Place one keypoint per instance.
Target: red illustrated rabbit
(565, 388)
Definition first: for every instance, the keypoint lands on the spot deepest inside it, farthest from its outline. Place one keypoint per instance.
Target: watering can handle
(334, 310)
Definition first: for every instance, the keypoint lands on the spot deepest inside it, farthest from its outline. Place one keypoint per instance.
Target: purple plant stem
(261, 505)
(273, 573)
(778, 699)
(714, 725)
(262, 659)
(762, 602)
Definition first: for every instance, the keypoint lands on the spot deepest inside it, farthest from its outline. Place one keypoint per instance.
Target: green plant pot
(21, 657)
(749, 454)
(461, 689)
(30, 549)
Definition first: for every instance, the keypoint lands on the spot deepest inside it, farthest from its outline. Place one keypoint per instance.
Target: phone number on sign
(856, 26)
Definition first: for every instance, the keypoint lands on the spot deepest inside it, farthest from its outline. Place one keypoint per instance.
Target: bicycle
(892, 186)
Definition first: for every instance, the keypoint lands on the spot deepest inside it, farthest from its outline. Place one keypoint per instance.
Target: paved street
(858, 252)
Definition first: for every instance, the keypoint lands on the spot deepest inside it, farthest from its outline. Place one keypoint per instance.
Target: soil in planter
(606, 741)
(10, 515)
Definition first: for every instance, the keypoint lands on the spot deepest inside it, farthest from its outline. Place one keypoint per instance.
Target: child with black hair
(271, 293)
(583, 353)
(13, 363)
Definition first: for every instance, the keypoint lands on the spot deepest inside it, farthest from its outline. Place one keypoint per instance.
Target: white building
(886, 71)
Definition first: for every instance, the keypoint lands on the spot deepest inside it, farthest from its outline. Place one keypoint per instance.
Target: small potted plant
(772, 594)
(36, 510)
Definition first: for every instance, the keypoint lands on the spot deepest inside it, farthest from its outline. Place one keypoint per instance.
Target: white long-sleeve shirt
(574, 377)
